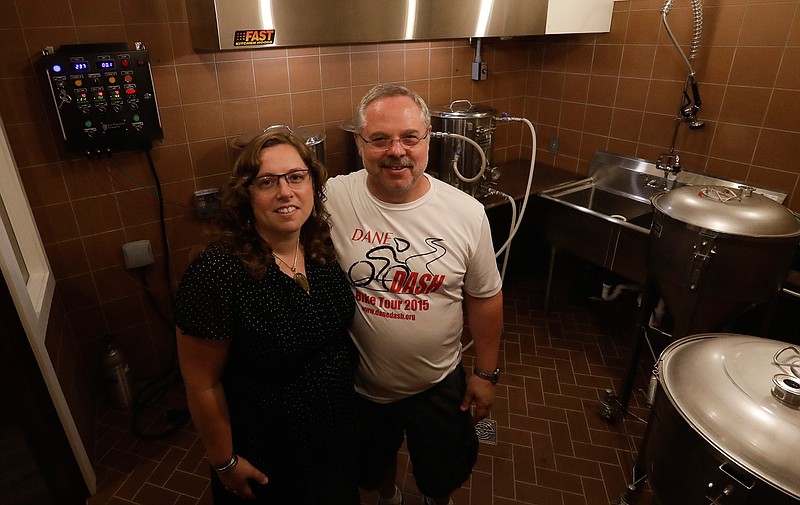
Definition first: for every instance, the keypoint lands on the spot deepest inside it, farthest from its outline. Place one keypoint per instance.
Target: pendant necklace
(299, 278)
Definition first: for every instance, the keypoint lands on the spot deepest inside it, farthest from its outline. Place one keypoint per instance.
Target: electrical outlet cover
(137, 254)
(553, 147)
(207, 203)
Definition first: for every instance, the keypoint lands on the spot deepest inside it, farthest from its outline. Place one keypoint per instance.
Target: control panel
(104, 96)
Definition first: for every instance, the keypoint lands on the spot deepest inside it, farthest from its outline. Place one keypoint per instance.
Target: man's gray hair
(381, 91)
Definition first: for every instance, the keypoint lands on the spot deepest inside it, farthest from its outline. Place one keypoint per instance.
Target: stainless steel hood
(257, 24)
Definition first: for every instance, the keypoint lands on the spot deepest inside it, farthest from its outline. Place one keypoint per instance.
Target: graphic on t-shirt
(384, 269)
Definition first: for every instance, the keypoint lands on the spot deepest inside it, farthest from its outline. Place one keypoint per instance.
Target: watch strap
(492, 377)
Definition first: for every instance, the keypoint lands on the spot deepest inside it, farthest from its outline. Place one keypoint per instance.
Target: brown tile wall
(618, 91)
(622, 91)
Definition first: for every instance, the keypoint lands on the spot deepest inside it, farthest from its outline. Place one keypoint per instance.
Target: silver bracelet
(231, 463)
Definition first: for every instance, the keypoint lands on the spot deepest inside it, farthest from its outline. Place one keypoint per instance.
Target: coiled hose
(697, 9)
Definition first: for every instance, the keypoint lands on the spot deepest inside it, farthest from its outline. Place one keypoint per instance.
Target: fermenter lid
(725, 210)
(463, 109)
(722, 385)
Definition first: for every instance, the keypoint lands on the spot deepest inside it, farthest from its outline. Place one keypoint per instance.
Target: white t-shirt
(408, 265)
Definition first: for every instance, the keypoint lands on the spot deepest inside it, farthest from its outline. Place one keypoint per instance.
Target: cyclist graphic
(384, 266)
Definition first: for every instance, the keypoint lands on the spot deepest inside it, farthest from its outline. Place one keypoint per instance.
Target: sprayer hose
(697, 9)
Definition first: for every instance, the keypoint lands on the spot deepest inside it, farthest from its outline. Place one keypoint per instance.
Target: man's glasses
(295, 179)
(384, 143)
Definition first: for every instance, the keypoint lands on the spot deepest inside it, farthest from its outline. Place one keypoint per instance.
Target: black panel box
(104, 96)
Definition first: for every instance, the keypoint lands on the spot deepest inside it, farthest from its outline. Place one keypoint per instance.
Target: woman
(262, 318)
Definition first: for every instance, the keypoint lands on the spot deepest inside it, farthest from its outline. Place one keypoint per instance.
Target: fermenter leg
(649, 302)
(650, 297)
(633, 491)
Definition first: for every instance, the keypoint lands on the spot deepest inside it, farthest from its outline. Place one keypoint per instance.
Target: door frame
(30, 280)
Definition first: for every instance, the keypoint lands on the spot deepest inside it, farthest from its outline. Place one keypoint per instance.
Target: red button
(125, 63)
(130, 91)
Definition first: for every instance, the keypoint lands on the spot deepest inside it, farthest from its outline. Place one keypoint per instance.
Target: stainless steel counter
(514, 179)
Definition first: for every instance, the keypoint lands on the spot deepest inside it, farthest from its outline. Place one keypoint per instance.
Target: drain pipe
(609, 294)
(658, 314)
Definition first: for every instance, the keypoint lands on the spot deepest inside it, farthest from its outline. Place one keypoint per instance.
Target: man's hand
(480, 392)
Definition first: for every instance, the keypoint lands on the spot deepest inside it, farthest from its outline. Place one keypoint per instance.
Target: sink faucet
(669, 163)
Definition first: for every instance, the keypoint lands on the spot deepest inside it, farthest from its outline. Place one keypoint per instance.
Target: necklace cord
(293, 268)
(299, 278)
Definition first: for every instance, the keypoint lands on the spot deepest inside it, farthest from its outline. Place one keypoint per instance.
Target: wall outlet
(207, 203)
(553, 147)
(480, 71)
(137, 254)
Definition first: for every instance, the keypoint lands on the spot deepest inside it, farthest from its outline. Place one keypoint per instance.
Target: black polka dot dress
(289, 375)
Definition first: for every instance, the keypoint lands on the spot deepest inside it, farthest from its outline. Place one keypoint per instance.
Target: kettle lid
(723, 386)
(741, 211)
(463, 109)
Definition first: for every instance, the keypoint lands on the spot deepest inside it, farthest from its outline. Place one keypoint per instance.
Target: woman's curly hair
(235, 226)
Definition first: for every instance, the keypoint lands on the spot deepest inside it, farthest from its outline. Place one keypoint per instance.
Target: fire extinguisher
(116, 372)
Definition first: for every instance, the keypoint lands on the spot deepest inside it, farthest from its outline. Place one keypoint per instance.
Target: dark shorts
(441, 439)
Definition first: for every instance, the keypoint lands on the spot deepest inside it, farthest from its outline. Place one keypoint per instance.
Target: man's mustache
(403, 161)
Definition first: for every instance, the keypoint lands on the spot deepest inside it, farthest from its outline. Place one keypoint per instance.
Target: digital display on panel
(105, 64)
(78, 66)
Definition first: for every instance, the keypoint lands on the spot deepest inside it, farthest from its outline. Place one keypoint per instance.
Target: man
(415, 249)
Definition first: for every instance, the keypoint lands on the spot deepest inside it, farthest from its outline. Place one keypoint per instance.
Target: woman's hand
(237, 479)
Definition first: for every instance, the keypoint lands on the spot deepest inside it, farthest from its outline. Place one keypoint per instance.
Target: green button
(88, 124)
(136, 117)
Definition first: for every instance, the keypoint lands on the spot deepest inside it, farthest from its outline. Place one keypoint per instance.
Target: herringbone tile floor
(552, 447)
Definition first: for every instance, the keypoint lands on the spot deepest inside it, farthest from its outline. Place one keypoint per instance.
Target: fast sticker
(253, 37)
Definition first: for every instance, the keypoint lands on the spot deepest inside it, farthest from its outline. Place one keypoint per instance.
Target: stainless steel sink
(605, 218)
(619, 189)
(586, 196)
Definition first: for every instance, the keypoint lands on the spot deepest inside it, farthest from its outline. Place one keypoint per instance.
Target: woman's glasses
(295, 179)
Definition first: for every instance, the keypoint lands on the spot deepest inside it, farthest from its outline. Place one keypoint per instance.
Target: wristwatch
(491, 377)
